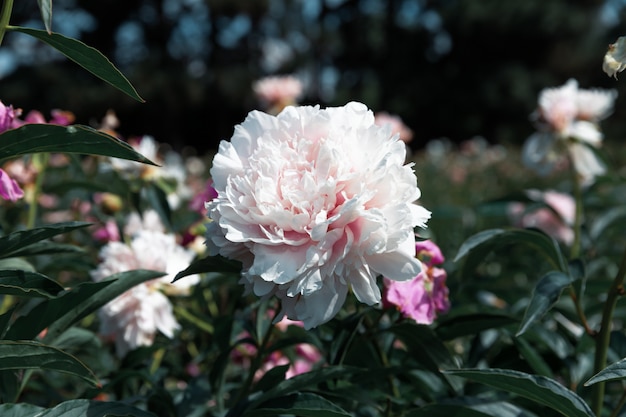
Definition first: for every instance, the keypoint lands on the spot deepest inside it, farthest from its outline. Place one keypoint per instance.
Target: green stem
(5, 16)
(32, 209)
(604, 335)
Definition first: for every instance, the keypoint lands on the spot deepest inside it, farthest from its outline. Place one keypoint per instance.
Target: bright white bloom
(567, 122)
(615, 58)
(133, 318)
(314, 202)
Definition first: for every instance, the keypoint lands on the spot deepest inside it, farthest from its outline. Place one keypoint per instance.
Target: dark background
(449, 68)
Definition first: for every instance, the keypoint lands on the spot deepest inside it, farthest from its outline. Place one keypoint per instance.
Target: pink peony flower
(557, 220)
(426, 295)
(9, 188)
(197, 202)
(567, 119)
(314, 202)
(7, 117)
(133, 318)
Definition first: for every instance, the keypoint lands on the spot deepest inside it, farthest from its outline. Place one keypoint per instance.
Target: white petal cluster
(133, 318)
(315, 202)
(615, 57)
(567, 122)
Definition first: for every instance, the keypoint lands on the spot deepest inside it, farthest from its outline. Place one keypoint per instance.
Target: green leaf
(32, 355)
(539, 389)
(79, 139)
(45, 7)
(47, 248)
(157, 199)
(87, 57)
(545, 295)
(612, 372)
(606, 221)
(15, 241)
(89, 408)
(449, 328)
(120, 283)
(445, 410)
(428, 350)
(488, 240)
(533, 358)
(20, 410)
(28, 284)
(210, 264)
(301, 404)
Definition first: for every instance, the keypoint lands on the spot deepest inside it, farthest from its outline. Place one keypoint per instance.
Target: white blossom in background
(315, 202)
(134, 318)
(567, 121)
(615, 57)
(278, 91)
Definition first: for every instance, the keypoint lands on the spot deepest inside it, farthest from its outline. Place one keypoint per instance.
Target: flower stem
(41, 163)
(5, 16)
(604, 335)
(620, 404)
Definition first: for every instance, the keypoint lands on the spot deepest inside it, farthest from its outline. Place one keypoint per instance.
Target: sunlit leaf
(537, 388)
(612, 372)
(12, 242)
(489, 240)
(545, 295)
(87, 57)
(45, 7)
(74, 139)
(301, 404)
(20, 410)
(32, 355)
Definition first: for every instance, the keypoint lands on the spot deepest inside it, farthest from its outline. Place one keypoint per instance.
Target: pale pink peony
(314, 202)
(426, 295)
(556, 220)
(9, 188)
(277, 92)
(567, 120)
(133, 318)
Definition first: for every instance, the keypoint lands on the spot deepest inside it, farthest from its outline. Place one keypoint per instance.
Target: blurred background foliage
(452, 69)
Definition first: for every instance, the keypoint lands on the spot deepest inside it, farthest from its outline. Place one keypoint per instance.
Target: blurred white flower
(567, 121)
(277, 92)
(133, 318)
(314, 202)
(615, 57)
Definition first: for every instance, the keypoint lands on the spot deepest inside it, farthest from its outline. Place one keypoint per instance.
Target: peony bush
(304, 270)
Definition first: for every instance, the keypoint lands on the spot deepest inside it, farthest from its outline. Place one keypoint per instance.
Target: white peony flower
(568, 118)
(133, 318)
(314, 202)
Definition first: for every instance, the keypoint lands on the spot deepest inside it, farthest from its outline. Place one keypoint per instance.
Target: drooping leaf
(532, 357)
(121, 283)
(78, 139)
(47, 248)
(607, 221)
(300, 404)
(491, 239)
(536, 388)
(612, 372)
(28, 284)
(87, 57)
(445, 410)
(33, 355)
(45, 7)
(210, 264)
(88, 408)
(15, 241)
(449, 328)
(429, 350)
(545, 295)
